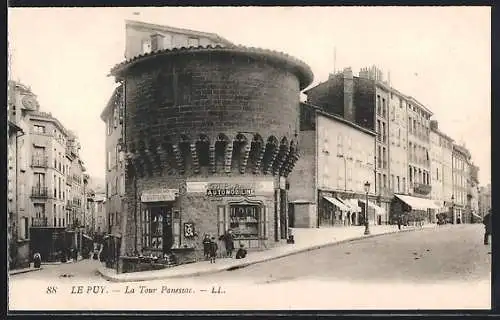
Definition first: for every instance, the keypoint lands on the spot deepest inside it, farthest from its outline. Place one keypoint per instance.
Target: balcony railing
(40, 161)
(39, 192)
(421, 188)
(39, 222)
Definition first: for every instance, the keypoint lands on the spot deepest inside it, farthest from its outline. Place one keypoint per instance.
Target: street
(450, 253)
(442, 268)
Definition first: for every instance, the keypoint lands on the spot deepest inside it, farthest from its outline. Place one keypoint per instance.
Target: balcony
(39, 222)
(40, 161)
(420, 188)
(40, 192)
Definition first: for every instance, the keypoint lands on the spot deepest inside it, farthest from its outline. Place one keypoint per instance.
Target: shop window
(245, 220)
(158, 233)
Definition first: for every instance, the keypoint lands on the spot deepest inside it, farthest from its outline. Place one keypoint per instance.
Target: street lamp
(367, 189)
(452, 209)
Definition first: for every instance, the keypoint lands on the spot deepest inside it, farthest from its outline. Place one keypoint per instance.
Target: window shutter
(221, 220)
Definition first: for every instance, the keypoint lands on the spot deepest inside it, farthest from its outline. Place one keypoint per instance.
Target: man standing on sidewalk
(487, 227)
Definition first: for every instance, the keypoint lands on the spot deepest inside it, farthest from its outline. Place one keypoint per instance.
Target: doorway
(161, 236)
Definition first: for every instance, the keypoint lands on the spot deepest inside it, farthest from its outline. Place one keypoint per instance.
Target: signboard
(235, 188)
(159, 195)
(189, 230)
(229, 190)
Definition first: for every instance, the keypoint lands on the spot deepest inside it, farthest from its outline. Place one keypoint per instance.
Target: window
(384, 155)
(437, 174)
(116, 186)
(392, 183)
(379, 181)
(156, 221)
(25, 228)
(60, 194)
(193, 42)
(404, 185)
(379, 132)
(379, 160)
(385, 181)
(398, 185)
(244, 220)
(384, 107)
(167, 41)
(384, 137)
(340, 145)
(146, 46)
(410, 174)
(378, 105)
(39, 129)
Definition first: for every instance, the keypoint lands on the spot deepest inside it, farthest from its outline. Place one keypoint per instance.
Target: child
(241, 253)
(213, 250)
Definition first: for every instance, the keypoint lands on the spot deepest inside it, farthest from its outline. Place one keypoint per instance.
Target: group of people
(210, 247)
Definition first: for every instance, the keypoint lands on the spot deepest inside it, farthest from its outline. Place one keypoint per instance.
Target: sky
(439, 55)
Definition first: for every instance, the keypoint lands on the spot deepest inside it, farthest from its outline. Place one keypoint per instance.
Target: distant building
(42, 173)
(484, 202)
(402, 125)
(461, 174)
(327, 184)
(441, 168)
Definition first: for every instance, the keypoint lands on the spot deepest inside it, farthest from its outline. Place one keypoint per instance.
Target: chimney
(434, 125)
(157, 41)
(348, 94)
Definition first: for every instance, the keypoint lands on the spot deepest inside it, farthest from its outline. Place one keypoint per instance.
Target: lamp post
(367, 189)
(452, 209)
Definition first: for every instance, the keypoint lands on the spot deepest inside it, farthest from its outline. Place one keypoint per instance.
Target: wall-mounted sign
(159, 195)
(258, 187)
(229, 190)
(189, 230)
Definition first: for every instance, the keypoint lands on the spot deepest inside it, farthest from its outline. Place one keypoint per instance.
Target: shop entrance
(158, 233)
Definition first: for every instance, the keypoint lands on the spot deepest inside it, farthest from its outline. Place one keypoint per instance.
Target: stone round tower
(205, 116)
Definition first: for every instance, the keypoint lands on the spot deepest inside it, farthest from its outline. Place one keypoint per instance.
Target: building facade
(402, 125)
(327, 184)
(461, 174)
(219, 163)
(484, 202)
(41, 177)
(473, 194)
(441, 168)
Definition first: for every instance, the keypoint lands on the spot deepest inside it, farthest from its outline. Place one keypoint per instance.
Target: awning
(352, 204)
(477, 216)
(418, 203)
(378, 210)
(337, 203)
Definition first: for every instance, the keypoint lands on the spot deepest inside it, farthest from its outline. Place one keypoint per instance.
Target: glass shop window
(246, 221)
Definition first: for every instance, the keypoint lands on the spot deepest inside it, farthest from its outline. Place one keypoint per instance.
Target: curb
(246, 264)
(14, 272)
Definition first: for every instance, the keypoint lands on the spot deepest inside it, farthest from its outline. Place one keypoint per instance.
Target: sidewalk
(31, 268)
(306, 239)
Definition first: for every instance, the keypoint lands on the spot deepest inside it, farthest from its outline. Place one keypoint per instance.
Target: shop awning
(337, 203)
(352, 204)
(418, 203)
(378, 210)
(477, 216)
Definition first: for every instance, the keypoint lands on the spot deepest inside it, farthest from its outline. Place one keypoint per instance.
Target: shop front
(174, 222)
(413, 210)
(332, 211)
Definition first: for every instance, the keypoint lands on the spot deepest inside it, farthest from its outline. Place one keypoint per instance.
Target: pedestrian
(228, 240)
(206, 246)
(37, 260)
(213, 250)
(487, 227)
(399, 222)
(241, 253)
